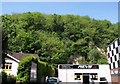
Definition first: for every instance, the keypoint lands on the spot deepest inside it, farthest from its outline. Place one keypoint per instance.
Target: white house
(11, 65)
(12, 61)
(69, 73)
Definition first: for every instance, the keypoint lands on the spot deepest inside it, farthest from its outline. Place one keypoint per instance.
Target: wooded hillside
(57, 37)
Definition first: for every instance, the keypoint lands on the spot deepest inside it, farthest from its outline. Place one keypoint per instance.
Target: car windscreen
(52, 80)
(102, 79)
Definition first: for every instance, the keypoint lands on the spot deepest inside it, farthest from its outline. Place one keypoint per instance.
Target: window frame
(7, 66)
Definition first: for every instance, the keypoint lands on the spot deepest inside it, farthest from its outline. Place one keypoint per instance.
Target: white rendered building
(68, 73)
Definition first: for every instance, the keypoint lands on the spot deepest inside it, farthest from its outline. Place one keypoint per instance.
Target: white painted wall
(14, 66)
(67, 75)
(105, 72)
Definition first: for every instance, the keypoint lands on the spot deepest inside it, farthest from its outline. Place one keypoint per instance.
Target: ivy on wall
(24, 68)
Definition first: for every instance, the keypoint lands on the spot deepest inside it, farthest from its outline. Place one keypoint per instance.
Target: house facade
(72, 73)
(11, 65)
(12, 61)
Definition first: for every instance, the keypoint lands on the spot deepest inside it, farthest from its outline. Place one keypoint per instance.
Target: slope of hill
(57, 37)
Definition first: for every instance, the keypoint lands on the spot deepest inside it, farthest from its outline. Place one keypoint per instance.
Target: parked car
(103, 80)
(53, 80)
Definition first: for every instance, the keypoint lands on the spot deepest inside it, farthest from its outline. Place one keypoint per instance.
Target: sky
(96, 10)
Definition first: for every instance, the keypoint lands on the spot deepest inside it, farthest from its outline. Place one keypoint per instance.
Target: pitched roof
(20, 56)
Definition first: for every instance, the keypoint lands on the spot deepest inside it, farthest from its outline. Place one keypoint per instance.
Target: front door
(86, 78)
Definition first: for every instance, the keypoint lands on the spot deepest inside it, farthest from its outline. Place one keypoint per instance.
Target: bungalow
(12, 61)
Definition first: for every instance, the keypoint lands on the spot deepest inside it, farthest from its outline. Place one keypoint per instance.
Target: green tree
(56, 37)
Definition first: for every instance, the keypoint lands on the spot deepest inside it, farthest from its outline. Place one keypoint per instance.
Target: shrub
(24, 68)
(8, 78)
(4, 77)
(11, 79)
(41, 70)
(49, 70)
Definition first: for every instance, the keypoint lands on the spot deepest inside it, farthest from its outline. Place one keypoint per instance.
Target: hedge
(49, 70)
(10, 79)
(24, 68)
(41, 67)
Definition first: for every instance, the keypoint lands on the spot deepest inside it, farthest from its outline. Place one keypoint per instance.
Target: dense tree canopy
(56, 37)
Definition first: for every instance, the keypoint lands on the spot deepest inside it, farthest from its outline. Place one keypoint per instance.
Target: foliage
(49, 70)
(56, 37)
(24, 69)
(8, 78)
(4, 77)
(11, 79)
(96, 57)
(41, 70)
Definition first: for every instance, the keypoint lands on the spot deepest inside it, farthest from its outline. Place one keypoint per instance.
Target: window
(115, 58)
(102, 79)
(114, 65)
(114, 45)
(94, 76)
(111, 59)
(110, 66)
(117, 50)
(118, 41)
(112, 53)
(118, 63)
(109, 48)
(108, 55)
(7, 66)
(78, 76)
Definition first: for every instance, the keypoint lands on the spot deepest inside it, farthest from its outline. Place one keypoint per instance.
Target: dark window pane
(6, 66)
(94, 76)
(113, 65)
(111, 59)
(118, 63)
(114, 45)
(112, 53)
(108, 55)
(103, 79)
(117, 50)
(115, 57)
(110, 66)
(10, 67)
(118, 41)
(109, 48)
(78, 76)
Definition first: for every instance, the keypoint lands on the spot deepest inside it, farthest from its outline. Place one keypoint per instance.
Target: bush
(49, 70)
(24, 68)
(11, 79)
(4, 77)
(8, 78)
(41, 70)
